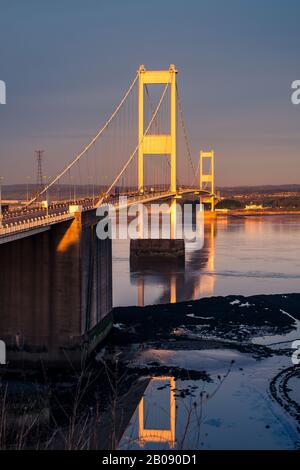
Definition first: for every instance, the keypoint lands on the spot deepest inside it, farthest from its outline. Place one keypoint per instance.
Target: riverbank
(222, 316)
(230, 347)
(258, 212)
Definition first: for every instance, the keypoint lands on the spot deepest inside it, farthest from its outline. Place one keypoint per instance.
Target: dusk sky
(67, 63)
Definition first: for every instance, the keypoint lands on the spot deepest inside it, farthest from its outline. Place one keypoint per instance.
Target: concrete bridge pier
(170, 248)
(56, 293)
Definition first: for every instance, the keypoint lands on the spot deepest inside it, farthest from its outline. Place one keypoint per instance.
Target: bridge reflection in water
(166, 435)
(179, 282)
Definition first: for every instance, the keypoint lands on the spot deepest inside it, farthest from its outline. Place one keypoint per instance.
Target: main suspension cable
(78, 157)
(136, 148)
(185, 131)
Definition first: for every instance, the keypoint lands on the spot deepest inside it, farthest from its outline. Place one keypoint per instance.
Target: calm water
(251, 255)
(196, 415)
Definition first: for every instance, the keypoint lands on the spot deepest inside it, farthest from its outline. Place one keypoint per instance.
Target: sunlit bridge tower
(207, 175)
(157, 144)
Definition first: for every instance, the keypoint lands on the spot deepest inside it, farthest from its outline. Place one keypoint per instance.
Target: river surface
(240, 255)
(234, 409)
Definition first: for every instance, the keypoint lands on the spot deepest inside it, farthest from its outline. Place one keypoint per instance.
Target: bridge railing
(50, 219)
(142, 197)
(31, 224)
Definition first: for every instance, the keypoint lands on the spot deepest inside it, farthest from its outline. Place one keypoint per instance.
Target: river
(241, 255)
(237, 403)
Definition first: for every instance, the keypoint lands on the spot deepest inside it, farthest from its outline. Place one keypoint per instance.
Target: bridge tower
(159, 144)
(208, 177)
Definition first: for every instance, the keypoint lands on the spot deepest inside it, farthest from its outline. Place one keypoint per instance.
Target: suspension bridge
(142, 151)
(56, 281)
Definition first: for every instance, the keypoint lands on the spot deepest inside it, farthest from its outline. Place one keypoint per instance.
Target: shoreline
(220, 314)
(181, 340)
(255, 213)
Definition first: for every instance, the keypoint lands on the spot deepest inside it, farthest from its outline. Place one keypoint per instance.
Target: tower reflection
(165, 435)
(205, 285)
(178, 281)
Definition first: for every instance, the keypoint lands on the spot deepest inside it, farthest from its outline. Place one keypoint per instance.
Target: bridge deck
(24, 225)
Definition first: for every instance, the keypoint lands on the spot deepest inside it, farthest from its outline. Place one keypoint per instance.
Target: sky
(66, 64)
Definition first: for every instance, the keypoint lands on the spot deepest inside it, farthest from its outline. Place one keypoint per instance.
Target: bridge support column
(56, 293)
(145, 249)
(172, 248)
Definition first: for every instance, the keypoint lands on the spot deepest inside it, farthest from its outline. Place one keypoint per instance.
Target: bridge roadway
(27, 222)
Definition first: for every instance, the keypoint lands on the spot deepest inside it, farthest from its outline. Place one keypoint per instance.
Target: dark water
(238, 415)
(248, 256)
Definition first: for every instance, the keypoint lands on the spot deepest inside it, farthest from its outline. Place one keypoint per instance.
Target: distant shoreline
(259, 212)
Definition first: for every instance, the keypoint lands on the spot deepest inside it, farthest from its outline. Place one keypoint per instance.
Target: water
(237, 415)
(234, 409)
(241, 255)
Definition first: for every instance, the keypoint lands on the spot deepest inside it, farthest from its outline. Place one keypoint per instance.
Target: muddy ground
(233, 323)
